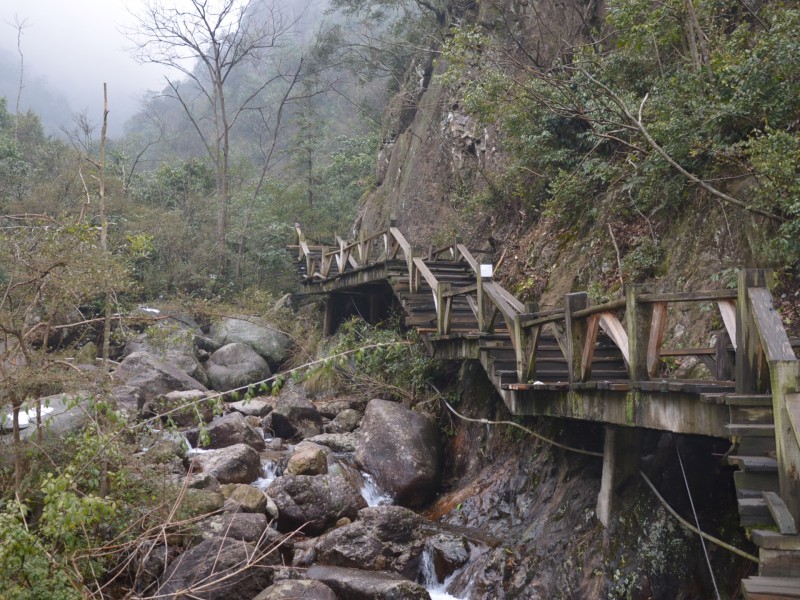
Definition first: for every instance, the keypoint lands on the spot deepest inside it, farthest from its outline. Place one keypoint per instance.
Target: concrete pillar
(620, 461)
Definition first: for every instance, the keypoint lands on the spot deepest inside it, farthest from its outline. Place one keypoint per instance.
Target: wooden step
(771, 588)
(757, 446)
(751, 414)
(754, 512)
(780, 514)
(754, 480)
(754, 463)
(748, 399)
(756, 430)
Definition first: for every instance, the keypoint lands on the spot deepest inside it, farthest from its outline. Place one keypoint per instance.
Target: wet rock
(183, 408)
(354, 584)
(401, 450)
(292, 589)
(448, 554)
(383, 538)
(257, 407)
(244, 498)
(235, 464)
(313, 502)
(272, 345)
(234, 366)
(308, 459)
(227, 431)
(218, 569)
(345, 422)
(338, 442)
(294, 417)
(145, 376)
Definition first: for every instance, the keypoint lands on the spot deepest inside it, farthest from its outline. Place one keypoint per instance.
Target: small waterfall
(192, 451)
(269, 471)
(427, 572)
(373, 494)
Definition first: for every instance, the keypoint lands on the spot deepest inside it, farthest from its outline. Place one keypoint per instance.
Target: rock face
(218, 569)
(234, 366)
(235, 464)
(293, 589)
(314, 502)
(363, 585)
(272, 345)
(383, 538)
(401, 450)
(227, 431)
(151, 377)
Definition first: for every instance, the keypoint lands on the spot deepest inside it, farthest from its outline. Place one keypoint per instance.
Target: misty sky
(77, 46)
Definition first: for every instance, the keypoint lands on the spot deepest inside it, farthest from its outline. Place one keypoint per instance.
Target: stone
(150, 377)
(345, 422)
(308, 459)
(292, 589)
(271, 344)
(87, 355)
(199, 502)
(330, 408)
(218, 569)
(245, 527)
(257, 407)
(401, 450)
(355, 584)
(239, 463)
(294, 417)
(172, 341)
(313, 502)
(338, 442)
(236, 366)
(448, 553)
(227, 431)
(183, 408)
(244, 498)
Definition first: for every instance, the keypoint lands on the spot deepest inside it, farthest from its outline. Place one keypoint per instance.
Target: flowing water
(373, 495)
(436, 589)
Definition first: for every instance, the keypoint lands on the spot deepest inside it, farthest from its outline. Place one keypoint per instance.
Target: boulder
(345, 422)
(245, 527)
(183, 408)
(354, 584)
(448, 554)
(227, 431)
(271, 344)
(308, 459)
(293, 417)
(234, 366)
(401, 450)
(218, 569)
(196, 502)
(329, 408)
(239, 463)
(257, 407)
(172, 341)
(313, 502)
(240, 497)
(292, 589)
(382, 538)
(150, 377)
(338, 442)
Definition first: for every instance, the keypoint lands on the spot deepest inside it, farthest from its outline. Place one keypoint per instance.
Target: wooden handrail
(700, 296)
(467, 256)
(426, 273)
(401, 240)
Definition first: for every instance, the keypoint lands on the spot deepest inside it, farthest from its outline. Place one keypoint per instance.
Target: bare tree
(20, 26)
(207, 42)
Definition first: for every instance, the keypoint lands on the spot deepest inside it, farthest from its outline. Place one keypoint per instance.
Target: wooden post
(329, 320)
(575, 334)
(443, 305)
(725, 360)
(785, 376)
(525, 342)
(483, 275)
(638, 320)
(620, 461)
(751, 368)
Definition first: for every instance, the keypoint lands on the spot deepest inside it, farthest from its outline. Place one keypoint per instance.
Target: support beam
(576, 333)
(638, 322)
(752, 373)
(620, 461)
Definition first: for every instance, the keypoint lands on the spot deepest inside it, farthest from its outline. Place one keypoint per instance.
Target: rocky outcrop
(272, 345)
(227, 431)
(235, 464)
(401, 450)
(235, 366)
(314, 503)
(144, 376)
(354, 584)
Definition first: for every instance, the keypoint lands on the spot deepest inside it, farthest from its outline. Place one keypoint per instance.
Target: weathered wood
(778, 563)
(780, 513)
(752, 373)
(765, 538)
(727, 310)
(576, 333)
(445, 304)
(469, 258)
(657, 326)
(785, 377)
(725, 359)
(592, 329)
(620, 461)
(769, 326)
(638, 318)
(611, 325)
(771, 588)
(699, 296)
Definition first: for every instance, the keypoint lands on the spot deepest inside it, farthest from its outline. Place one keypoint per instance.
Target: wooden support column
(785, 376)
(752, 373)
(443, 307)
(620, 461)
(375, 308)
(576, 334)
(484, 275)
(638, 321)
(329, 320)
(525, 342)
(725, 359)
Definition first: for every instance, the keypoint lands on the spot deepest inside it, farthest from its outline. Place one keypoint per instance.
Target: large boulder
(255, 407)
(172, 341)
(240, 497)
(235, 464)
(294, 589)
(271, 344)
(246, 527)
(294, 417)
(218, 569)
(354, 584)
(345, 422)
(234, 366)
(382, 538)
(151, 377)
(227, 431)
(184, 408)
(308, 459)
(314, 502)
(337, 442)
(401, 450)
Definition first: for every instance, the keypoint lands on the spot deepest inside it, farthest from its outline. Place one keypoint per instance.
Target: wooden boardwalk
(603, 363)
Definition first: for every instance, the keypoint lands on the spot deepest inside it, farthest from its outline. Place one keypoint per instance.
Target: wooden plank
(792, 405)
(657, 326)
(611, 325)
(780, 513)
(575, 334)
(699, 296)
(592, 329)
(770, 326)
(727, 309)
(778, 563)
(751, 369)
(771, 588)
(765, 538)
(785, 380)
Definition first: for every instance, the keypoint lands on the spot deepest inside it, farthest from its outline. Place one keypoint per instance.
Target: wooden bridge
(602, 363)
